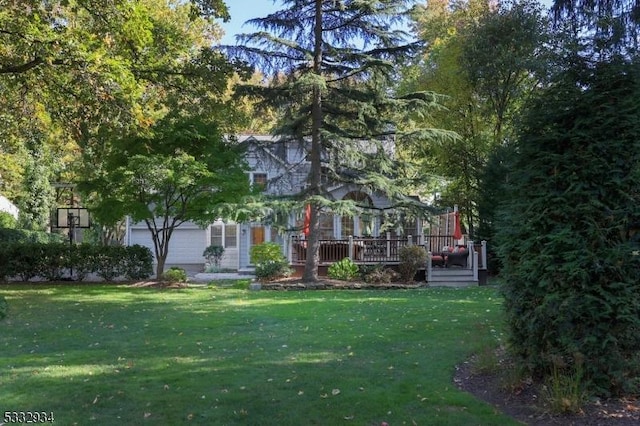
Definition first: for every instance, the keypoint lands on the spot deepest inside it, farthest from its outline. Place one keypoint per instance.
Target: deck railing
(358, 249)
(384, 249)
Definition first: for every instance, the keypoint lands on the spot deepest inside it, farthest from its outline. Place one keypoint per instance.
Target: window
(326, 226)
(361, 200)
(216, 235)
(259, 180)
(230, 237)
(224, 235)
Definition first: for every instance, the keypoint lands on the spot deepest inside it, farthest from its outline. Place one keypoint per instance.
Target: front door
(256, 236)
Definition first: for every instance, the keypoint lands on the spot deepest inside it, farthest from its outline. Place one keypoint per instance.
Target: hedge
(56, 261)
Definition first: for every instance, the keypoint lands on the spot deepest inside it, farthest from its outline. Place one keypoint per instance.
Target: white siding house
(8, 207)
(282, 168)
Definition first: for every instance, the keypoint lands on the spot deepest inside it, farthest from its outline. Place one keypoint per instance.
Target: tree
(568, 228)
(184, 171)
(607, 27)
(36, 203)
(484, 59)
(332, 66)
(86, 72)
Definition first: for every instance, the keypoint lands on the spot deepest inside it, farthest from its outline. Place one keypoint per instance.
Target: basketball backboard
(76, 216)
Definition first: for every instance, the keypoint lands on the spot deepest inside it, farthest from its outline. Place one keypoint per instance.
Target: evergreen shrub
(138, 262)
(52, 261)
(565, 235)
(109, 261)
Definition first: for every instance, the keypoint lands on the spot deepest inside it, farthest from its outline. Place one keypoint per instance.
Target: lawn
(107, 355)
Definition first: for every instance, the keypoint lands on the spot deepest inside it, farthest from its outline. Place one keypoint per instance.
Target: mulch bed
(527, 406)
(330, 284)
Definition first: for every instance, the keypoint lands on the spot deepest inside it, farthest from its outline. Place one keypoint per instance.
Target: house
(8, 207)
(281, 168)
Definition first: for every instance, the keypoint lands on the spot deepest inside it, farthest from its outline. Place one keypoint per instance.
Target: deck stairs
(452, 277)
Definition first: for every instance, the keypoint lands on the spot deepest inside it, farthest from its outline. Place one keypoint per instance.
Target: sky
(243, 10)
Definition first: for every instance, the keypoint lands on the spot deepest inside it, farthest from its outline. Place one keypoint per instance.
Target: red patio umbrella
(457, 231)
(306, 228)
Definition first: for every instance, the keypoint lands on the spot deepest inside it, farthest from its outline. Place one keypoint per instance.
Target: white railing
(476, 260)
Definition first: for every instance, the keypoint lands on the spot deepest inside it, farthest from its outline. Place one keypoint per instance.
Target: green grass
(106, 355)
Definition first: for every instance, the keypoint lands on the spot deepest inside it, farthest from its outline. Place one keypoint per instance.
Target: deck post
(289, 249)
(475, 266)
(484, 254)
(429, 275)
(389, 244)
(409, 240)
(351, 247)
(471, 249)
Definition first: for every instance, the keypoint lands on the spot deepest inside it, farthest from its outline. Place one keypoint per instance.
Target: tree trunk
(160, 239)
(313, 244)
(160, 266)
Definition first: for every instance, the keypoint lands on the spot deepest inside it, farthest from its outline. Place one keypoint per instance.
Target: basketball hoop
(72, 217)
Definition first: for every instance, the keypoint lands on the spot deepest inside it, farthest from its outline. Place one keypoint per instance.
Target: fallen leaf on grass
(335, 392)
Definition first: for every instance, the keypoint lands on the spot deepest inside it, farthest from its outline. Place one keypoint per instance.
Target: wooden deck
(385, 251)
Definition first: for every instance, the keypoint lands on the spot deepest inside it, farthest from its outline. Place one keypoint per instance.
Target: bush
(264, 252)
(344, 270)
(82, 260)
(412, 258)
(52, 261)
(22, 260)
(175, 275)
(214, 255)
(270, 262)
(565, 235)
(109, 261)
(138, 262)
(377, 274)
(7, 220)
(272, 270)
(4, 308)
(25, 236)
